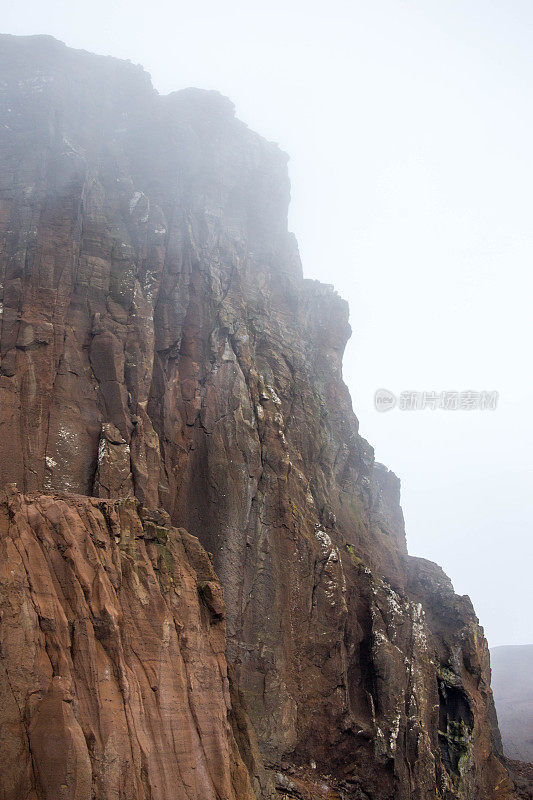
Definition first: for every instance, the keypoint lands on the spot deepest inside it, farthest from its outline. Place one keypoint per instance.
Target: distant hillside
(512, 684)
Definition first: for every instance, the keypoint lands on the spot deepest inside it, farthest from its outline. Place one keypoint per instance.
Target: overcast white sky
(410, 129)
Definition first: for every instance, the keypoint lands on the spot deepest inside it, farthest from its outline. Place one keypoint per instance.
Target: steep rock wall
(114, 680)
(158, 340)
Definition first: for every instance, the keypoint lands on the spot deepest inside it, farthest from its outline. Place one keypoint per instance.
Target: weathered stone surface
(158, 339)
(522, 775)
(114, 680)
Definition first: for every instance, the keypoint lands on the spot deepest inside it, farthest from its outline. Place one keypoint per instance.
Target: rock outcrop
(114, 680)
(522, 774)
(159, 343)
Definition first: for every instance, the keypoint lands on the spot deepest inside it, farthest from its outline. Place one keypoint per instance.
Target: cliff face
(114, 680)
(158, 341)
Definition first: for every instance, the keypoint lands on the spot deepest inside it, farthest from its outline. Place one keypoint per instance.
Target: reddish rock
(114, 679)
(158, 339)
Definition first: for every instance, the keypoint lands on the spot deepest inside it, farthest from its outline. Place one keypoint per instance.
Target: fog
(410, 127)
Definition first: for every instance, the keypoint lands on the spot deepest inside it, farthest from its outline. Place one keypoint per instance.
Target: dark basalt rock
(159, 342)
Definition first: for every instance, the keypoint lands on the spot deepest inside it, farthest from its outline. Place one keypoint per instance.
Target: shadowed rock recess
(169, 378)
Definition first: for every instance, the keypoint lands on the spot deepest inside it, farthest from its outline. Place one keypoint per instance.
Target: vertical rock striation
(114, 679)
(159, 343)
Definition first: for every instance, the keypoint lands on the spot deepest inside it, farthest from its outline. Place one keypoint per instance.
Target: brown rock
(522, 775)
(189, 363)
(114, 681)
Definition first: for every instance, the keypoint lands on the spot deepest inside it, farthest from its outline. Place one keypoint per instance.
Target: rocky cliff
(114, 680)
(160, 344)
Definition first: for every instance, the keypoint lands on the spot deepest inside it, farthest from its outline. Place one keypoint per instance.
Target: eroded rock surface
(114, 680)
(158, 341)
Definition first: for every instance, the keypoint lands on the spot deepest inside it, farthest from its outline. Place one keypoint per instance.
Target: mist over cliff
(205, 587)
